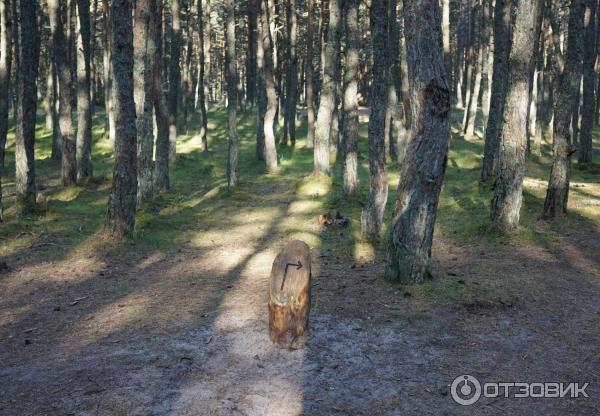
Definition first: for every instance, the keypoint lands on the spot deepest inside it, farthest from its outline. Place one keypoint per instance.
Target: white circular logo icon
(465, 390)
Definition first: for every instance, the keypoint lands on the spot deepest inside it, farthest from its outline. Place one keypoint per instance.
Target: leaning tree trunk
(271, 93)
(231, 75)
(557, 195)
(309, 75)
(589, 85)
(174, 78)
(144, 50)
(5, 69)
(502, 29)
(161, 111)
(84, 102)
(60, 54)
(328, 91)
(372, 215)
(27, 69)
(508, 186)
(120, 217)
(422, 173)
(350, 136)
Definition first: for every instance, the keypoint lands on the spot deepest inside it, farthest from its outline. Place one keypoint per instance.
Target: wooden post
(289, 295)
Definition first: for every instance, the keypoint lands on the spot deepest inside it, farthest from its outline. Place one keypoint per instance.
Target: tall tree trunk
(231, 74)
(422, 173)
(174, 78)
(52, 97)
(372, 215)
(589, 84)
(84, 102)
(292, 71)
(394, 80)
(488, 59)
(557, 195)
(308, 73)
(508, 186)
(160, 91)
(144, 50)
(202, 96)
(350, 136)
(461, 47)
(271, 93)
(110, 126)
(61, 59)
(260, 82)
(404, 133)
(446, 38)
(502, 41)
(28, 53)
(251, 52)
(5, 70)
(479, 49)
(327, 100)
(120, 217)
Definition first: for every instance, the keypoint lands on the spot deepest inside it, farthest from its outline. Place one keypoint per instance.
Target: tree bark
(5, 70)
(308, 73)
(84, 102)
(174, 78)
(231, 75)
(251, 52)
(422, 173)
(271, 93)
(589, 84)
(61, 59)
(557, 195)
(202, 88)
(372, 215)
(327, 100)
(292, 72)
(260, 82)
(110, 126)
(508, 186)
(161, 111)
(471, 110)
(502, 39)
(350, 137)
(144, 50)
(27, 46)
(120, 217)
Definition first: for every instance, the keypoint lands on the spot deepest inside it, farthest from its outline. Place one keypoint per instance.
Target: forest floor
(175, 322)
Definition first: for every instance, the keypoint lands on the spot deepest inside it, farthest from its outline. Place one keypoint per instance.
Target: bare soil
(128, 330)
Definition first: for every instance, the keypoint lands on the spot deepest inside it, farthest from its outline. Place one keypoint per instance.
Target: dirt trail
(184, 332)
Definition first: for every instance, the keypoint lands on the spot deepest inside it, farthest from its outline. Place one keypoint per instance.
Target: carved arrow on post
(298, 266)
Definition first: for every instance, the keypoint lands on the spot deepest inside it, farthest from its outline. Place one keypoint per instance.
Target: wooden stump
(289, 295)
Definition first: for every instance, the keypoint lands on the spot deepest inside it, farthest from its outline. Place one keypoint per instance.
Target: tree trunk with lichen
(422, 173)
(5, 69)
(508, 186)
(143, 64)
(327, 100)
(84, 101)
(60, 55)
(120, 216)
(557, 195)
(502, 29)
(231, 76)
(589, 84)
(349, 146)
(27, 47)
(372, 215)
